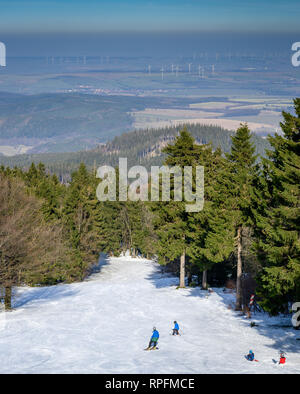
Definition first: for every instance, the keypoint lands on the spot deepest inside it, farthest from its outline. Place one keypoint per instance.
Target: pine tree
(277, 217)
(108, 225)
(203, 244)
(120, 225)
(78, 216)
(242, 158)
(231, 207)
(172, 219)
(144, 236)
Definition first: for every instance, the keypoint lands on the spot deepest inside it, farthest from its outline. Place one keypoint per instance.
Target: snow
(103, 324)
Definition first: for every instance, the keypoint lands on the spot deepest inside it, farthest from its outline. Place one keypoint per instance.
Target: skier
(282, 359)
(176, 328)
(153, 340)
(250, 356)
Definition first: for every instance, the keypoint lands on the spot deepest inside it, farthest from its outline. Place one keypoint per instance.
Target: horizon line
(149, 31)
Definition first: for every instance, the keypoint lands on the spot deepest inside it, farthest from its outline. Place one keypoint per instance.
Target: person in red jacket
(282, 358)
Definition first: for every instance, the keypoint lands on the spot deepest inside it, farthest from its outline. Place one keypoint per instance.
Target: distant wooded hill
(70, 121)
(59, 122)
(140, 147)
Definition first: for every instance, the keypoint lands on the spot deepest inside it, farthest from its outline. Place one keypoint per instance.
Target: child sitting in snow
(282, 359)
(250, 356)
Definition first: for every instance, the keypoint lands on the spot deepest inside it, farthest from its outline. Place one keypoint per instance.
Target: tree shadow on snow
(161, 278)
(52, 293)
(102, 262)
(279, 328)
(43, 294)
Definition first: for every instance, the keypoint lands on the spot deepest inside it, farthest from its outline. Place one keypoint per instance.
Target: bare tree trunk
(7, 298)
(239, 296)
(204, 280)
(182, 270)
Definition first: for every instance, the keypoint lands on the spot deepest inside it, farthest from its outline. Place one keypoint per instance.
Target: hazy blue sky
(102, 15)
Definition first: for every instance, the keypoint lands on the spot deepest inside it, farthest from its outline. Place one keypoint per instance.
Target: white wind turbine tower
(213, 69)
(162, 73)
(172, 68)
(199, 70)
(177, 69)
(149, 69)
(190, 67)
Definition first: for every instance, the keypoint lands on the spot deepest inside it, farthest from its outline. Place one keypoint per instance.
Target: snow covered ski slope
(103, 325)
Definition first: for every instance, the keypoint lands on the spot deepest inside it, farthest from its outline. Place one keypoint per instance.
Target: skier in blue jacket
(176, 328)
(154, 339)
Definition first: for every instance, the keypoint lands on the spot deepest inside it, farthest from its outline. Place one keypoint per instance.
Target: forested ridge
(249, 224)
(140, 147)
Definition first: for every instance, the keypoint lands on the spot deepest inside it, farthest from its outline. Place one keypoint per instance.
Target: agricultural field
(262, 116)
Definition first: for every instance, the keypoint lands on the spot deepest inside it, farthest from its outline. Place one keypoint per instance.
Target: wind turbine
(149, 69)
(162, 73)
(190, 67)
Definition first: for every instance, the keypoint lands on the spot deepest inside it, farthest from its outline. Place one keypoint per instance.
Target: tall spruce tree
(277, 218)
(79, 219)
(231, 207)
(244, 170)
(203, 245)
(173, 220)
(108, 225)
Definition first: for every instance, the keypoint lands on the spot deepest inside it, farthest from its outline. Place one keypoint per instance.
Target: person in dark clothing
(250, 356)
